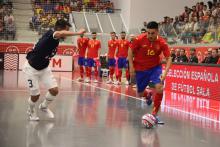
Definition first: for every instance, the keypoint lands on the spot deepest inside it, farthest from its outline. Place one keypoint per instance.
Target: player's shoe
(32, 115)
(46, 111)
(109, 82)
(80, 79)
(95, 81)
(127, 83)
(87, 80)
(159, 121)
(117, 83)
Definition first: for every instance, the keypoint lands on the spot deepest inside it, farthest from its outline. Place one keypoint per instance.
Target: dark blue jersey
(43, 51)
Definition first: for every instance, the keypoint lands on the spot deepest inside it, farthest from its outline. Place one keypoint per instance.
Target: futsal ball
(148, 121)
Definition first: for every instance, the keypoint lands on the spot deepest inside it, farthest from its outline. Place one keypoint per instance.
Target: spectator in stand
(208, 59)
(219, 56)
(215, 57)
(173, 54)
(193, 58)
(177, 58)
(8, 16)
(10, 29)
(1, 30)
(145, 24)
(183, 57)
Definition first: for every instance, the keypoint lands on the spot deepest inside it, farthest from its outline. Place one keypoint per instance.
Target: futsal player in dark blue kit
(37, 68)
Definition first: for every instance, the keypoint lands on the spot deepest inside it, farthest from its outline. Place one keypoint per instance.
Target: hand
(162, 77)
(81, 31)
(132, 71)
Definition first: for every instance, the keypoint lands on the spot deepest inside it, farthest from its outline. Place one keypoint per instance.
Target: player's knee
(34, 98)
(54, 91)
(159, 88)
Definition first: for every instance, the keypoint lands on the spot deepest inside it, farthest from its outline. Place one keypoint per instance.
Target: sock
(127, 75)
(48, 99)
(81, 71)
(157, 102)
(96, 72)
(111, 72)
(89, 71)
(119, 75)
(31, 104)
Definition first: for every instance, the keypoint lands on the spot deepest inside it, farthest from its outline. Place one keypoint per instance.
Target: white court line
(87, 84)
(23, 90)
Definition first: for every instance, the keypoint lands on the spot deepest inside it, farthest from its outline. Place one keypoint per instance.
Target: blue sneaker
(158, 121)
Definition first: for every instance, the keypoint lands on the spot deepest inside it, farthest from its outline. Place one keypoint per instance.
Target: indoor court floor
(100, 115)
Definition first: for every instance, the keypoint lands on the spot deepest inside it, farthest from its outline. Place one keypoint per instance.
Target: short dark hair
(152, 25)
(61, 24)
(94, 33)
(112, 33)
(123, 32)
(143, 30)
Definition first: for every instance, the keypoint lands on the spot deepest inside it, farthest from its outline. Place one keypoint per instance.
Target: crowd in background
(211, 56)
(7, 22)
(197, 24)
(47, 12)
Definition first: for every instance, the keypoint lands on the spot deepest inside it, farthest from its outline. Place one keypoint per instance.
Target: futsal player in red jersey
(82, 43)
(112, 46)
(145, 63)
(122, 53)
(92, 56)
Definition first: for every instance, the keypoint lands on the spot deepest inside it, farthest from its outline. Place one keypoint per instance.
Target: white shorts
(33, 77)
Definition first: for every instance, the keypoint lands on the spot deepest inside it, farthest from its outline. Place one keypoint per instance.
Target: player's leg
(32, 81)
(126, 66)
(111, 64)
(155, 78)
(120, 67)
(89, 70)
(51, 84)
(81, 68)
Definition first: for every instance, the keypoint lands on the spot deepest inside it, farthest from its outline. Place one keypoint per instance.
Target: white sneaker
(109, 82)
(126, 83)
(32, 115)
(117, 83)
(80, 79)
(95, 81)
(47, 111)
(87, 80)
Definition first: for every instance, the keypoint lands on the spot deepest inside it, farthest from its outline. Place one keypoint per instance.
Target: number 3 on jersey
(150, 52)
(30, 83)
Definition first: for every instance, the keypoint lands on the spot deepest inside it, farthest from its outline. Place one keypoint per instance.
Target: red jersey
(112, 46)
(146, 53)
(93, 48)
(218, 61)
(123, 46)
(82, 45)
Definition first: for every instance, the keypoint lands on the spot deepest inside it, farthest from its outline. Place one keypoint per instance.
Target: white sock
(31, 104)
(48, 99)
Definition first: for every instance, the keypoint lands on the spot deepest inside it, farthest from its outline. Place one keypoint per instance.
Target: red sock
(111, 72)
(96, 72)
(119, 75)
(89, 72)
(81, 71)
(157, 102)
(127, 75)
(145, 93)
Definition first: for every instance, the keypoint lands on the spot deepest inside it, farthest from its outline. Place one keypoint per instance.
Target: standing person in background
(92, 56)
(112, 46)
(215, 57)
(82, 43)
(122, 53)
